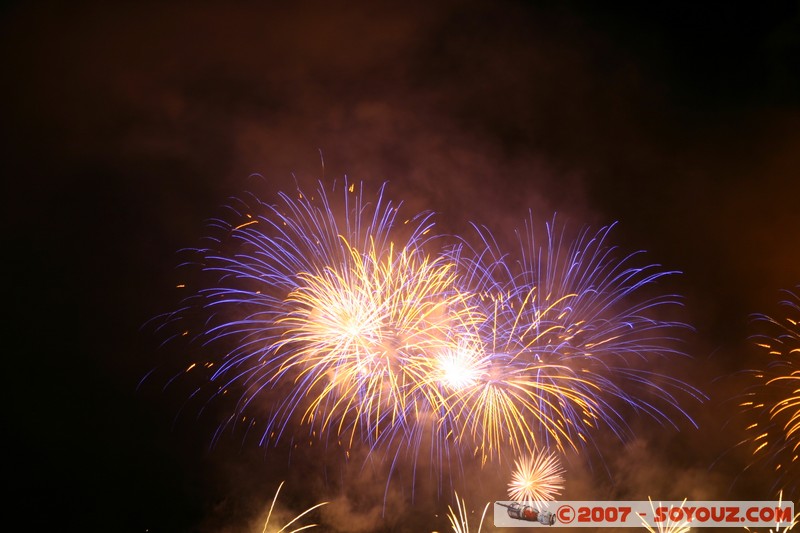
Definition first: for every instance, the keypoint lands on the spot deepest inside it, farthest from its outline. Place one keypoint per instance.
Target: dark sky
(126, 127)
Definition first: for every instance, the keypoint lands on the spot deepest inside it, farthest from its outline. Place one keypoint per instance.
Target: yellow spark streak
(789, 527)
(295, 519)
(460, 522)
(245, 224)
(669, 526)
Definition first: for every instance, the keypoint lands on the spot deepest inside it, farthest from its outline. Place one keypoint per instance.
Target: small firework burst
(537, 477)
(773, 403)
(460, 520)
(285, 528)
(788, 527)
(668, 526)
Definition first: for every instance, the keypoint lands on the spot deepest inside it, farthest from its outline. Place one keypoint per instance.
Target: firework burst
(284, 529)
(564, 345)
(354, 338)
(788, 527)
(536, 477)
(668, 526)
(773, 403)
(339, 318)
(459, 521)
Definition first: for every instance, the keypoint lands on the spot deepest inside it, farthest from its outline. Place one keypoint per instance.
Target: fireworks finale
(343, 321)
(773, 400)
(384, 252)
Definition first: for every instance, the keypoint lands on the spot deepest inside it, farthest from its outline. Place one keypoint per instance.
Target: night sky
(127, 127)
